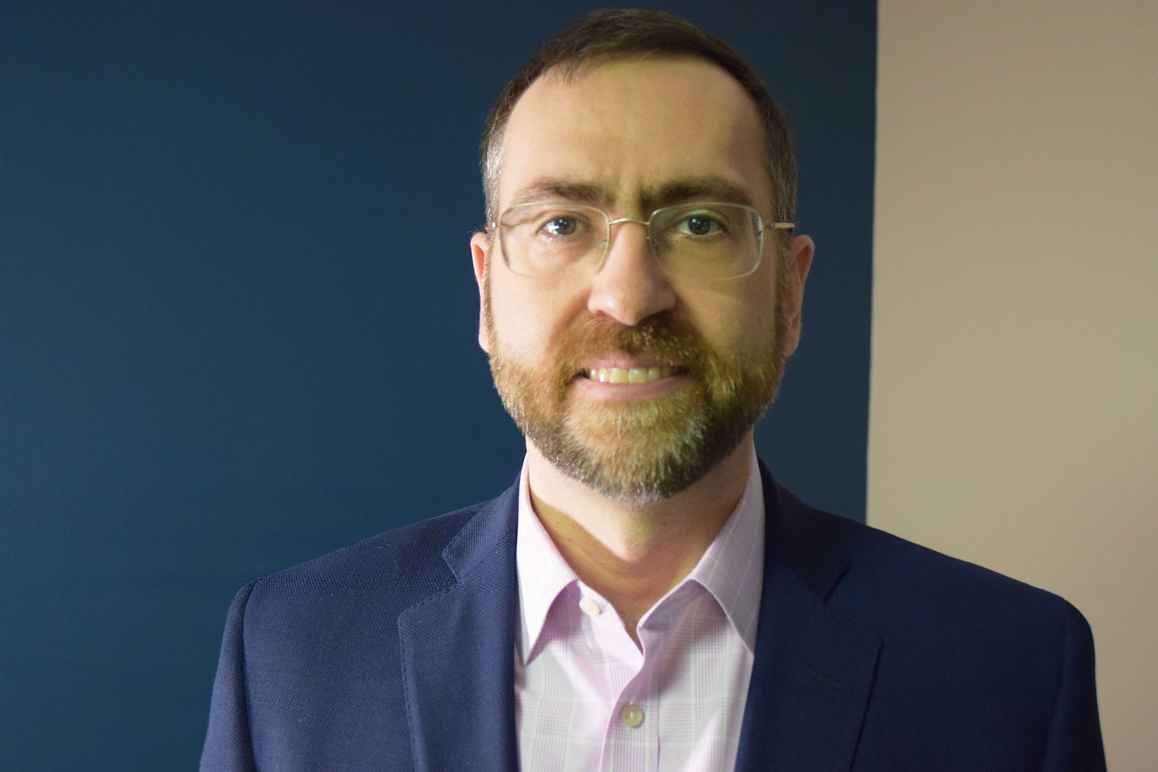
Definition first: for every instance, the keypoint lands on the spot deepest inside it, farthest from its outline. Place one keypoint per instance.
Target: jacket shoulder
(970, 660)
(308, 648)
(918, 577)
(402, 562)
(948, 624)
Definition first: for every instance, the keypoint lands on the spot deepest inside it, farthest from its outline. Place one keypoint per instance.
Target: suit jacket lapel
(813, 669)
(458, 651)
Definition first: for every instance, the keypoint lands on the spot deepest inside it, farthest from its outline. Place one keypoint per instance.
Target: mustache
(663, 337)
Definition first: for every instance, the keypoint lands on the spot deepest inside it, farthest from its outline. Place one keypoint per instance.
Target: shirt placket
(630, 740)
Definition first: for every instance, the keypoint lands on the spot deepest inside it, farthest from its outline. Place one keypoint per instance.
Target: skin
(630, 126)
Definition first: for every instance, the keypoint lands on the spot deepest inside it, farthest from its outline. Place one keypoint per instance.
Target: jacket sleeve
(228, 746)
(1074, 743)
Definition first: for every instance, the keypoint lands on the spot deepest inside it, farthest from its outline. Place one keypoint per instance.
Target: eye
(560, 226)
(700, 224)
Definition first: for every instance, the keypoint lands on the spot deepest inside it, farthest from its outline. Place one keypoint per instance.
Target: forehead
(633, 125)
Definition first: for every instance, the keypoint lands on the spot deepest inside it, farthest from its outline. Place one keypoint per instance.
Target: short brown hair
(634, 33)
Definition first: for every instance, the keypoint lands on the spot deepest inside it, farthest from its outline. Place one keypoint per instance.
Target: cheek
(735, 323)
(524, 320)
(759, 311)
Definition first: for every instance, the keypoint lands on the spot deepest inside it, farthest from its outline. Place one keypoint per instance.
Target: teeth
(632, 375)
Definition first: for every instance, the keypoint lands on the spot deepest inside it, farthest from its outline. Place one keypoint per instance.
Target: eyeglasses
(701, 241)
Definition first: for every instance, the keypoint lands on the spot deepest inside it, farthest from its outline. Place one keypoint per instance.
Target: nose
(629, 286)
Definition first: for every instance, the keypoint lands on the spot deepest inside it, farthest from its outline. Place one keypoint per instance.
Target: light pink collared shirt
(587, 699)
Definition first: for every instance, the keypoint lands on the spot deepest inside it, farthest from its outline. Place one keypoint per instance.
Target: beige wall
(1015, 312)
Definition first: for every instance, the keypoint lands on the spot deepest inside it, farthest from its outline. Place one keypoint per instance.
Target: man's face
(632, 129)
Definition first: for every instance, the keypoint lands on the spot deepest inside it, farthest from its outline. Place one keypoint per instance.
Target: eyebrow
(709, 187)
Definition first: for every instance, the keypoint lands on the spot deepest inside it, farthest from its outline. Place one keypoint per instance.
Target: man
(646, 596)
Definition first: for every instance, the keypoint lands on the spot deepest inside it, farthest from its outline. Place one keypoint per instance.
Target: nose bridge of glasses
(621, 220)
(611, 223)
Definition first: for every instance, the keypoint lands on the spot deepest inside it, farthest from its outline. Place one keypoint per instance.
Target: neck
(634, 554)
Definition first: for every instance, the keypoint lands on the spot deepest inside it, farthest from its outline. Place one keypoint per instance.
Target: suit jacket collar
(810, 683)
(813, 670)
(457, 649)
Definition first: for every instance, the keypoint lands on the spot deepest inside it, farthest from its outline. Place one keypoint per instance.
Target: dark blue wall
(237, 317)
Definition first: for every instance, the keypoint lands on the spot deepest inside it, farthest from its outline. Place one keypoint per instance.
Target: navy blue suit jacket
(872, 653)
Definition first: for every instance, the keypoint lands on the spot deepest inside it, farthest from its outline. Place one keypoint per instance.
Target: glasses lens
(540, 239)
(708, 241)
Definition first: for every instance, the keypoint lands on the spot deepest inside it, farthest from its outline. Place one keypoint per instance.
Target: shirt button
(589, 606)
(632, 715)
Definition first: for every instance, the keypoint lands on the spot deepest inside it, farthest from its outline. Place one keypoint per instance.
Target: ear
(800, 252)
(480, 244)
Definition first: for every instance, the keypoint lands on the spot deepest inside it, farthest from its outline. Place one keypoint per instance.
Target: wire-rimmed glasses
(702, 240)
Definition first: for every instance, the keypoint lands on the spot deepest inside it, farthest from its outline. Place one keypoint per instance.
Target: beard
(644, 450)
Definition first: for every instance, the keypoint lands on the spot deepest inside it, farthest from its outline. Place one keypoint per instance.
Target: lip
(624, 392)
(627, 364)
(623, 363)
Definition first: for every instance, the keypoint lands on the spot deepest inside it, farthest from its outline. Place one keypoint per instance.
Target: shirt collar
(542, 571)
(731, 569)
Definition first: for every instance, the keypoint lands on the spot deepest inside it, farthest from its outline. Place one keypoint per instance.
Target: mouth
(629, 375)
